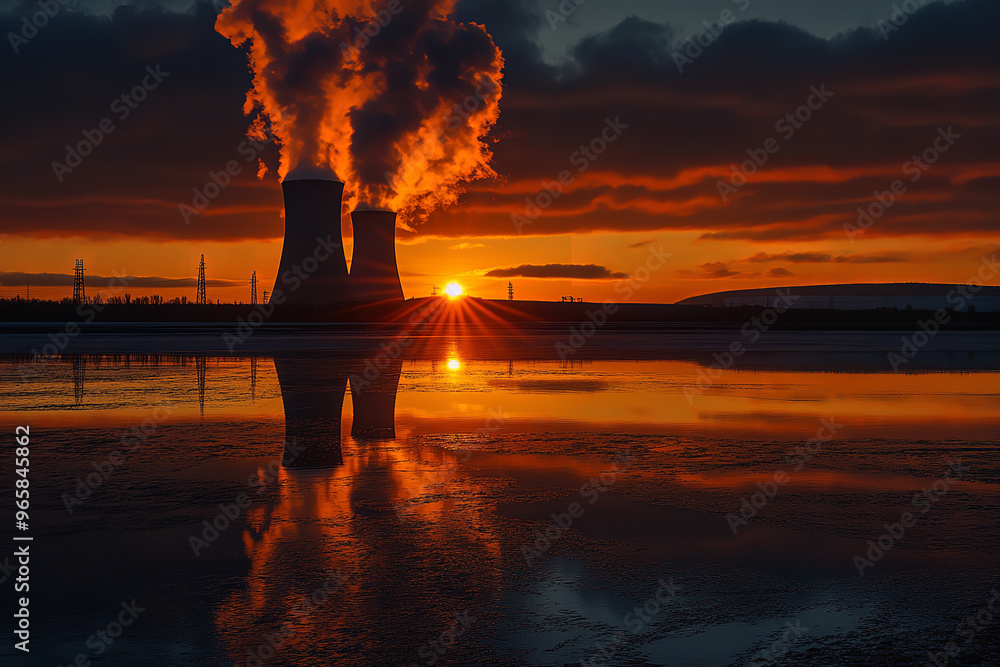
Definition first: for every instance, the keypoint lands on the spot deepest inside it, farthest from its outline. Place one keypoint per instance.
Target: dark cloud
(565, 271)
(642, 244)
(794, 257)
(717, 270)
(712, 270)
(824, 258)
(873, 258)
(684, 129)
(513, 25)
(889, 99)
(133, 183)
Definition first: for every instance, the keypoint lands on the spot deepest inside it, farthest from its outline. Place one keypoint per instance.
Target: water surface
(422, 498)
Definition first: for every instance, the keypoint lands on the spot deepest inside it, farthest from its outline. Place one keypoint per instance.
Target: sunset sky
(679, 126)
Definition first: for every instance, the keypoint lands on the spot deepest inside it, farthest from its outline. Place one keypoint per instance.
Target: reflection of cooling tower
(375, 403)
(374, 276)
(312, 226)
(312, 392)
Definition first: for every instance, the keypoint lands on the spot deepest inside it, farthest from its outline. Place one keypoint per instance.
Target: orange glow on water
(642, 397)
(458, 484)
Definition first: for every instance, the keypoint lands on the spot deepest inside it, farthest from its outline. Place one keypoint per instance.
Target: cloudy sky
(685, 109)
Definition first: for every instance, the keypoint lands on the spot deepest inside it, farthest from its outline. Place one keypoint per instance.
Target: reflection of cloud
(466, 246)
(17, 278)
(570, 271)
(552, 386)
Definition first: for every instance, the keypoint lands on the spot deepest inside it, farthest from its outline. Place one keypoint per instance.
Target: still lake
(449, 509)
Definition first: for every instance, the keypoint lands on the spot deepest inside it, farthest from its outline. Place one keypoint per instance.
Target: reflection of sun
(453, 290)
(454, 364)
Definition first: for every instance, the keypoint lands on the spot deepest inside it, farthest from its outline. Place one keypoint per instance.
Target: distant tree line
(100, 300)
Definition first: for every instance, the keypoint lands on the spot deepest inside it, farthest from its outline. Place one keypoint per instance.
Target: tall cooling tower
(312, 392)
(374, 276)
(312, 215)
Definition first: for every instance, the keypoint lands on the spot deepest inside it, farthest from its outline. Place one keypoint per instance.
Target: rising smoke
(396, 99)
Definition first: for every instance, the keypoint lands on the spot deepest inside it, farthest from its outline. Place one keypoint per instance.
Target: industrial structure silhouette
(313, 269)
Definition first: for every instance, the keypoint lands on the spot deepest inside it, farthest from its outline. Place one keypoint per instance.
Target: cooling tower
(375, 403)
(313, 268)
(312, 392)
(374, 276)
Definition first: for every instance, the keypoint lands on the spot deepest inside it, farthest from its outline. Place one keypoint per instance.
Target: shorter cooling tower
(313, 269)
(374, 276)
(375, 401)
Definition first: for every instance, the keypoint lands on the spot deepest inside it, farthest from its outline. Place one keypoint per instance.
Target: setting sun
(454, 364)
(453, 290)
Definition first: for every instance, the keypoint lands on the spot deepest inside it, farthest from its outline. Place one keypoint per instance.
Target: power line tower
(79, 292)
(201, 298)
(265, 296)
(510, 291)
(253, 289)
(434, 290)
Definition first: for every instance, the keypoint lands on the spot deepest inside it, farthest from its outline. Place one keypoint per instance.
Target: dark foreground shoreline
(474, 329)
(483, 311)
(817, 351)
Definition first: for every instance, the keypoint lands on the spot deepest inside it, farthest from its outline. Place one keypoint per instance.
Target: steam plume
(394, 98)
